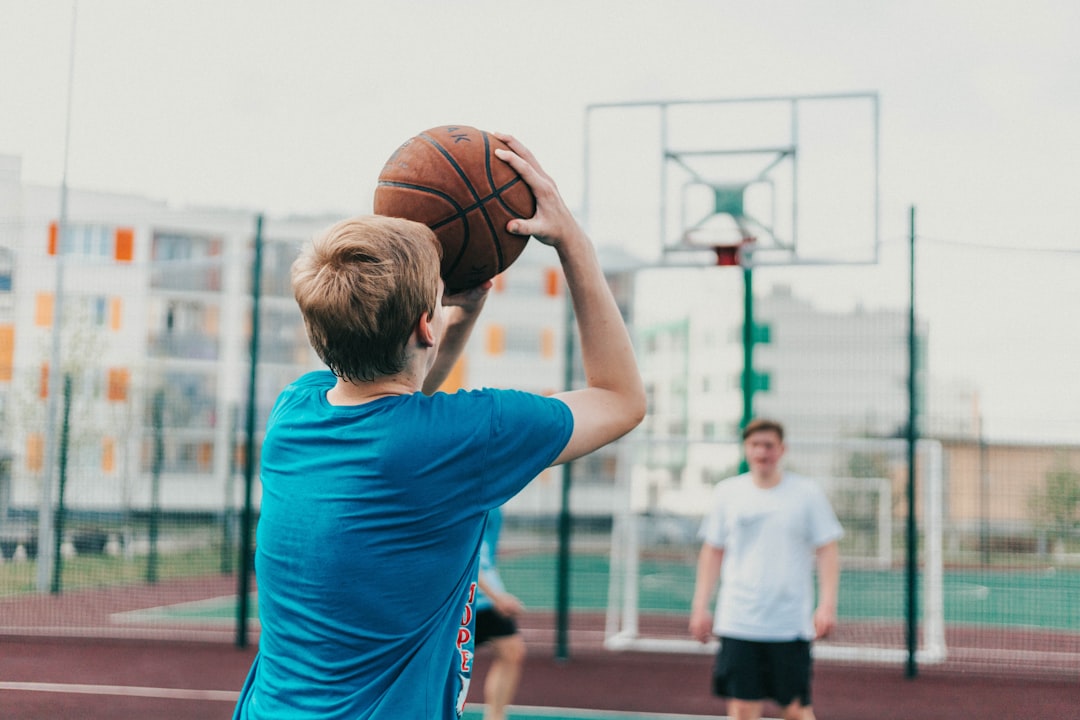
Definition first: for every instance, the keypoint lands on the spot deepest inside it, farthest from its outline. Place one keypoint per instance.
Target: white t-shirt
(769, 537)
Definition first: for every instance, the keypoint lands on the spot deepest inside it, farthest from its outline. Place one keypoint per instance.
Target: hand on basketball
(553, 221)
(471, 300)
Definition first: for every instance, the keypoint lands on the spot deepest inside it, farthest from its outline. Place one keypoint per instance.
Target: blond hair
(362, 285)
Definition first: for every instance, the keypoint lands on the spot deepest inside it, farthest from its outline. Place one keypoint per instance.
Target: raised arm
(462, 310)
(613, 401)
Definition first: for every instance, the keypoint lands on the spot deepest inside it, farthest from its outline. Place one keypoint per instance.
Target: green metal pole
(61, 510)
(155, 485)
(246, 521)
(228, 517)
(911, 669)
(562, 584)
(748, 354)
(562, 624)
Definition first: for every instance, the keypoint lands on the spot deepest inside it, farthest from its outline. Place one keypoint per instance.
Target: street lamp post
(46, 546)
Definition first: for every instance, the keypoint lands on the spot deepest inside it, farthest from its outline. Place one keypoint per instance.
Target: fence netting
(142, 424)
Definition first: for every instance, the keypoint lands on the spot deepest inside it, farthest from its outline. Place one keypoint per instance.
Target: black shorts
(751, 670)
(491, 625)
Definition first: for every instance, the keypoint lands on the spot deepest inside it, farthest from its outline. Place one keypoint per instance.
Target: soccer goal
(664, 487)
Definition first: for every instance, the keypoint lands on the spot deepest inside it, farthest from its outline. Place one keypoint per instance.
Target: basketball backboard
(793, 180)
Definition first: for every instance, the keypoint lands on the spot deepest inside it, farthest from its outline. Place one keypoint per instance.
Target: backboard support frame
(776, 224)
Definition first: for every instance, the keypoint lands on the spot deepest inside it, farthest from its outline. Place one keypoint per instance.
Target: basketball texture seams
(449, 178)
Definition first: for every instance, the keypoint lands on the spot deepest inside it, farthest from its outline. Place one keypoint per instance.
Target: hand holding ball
(450, 179)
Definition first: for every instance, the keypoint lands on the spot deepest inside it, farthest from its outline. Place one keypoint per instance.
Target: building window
(708, 430)
(98, 311)
(524, 339)
(184, 329)
(86, 241)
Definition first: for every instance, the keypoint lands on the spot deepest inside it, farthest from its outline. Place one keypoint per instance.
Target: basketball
(449, 179)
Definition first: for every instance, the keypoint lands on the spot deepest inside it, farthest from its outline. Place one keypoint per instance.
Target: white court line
(232, 696)
(580, 714)
(123, 690)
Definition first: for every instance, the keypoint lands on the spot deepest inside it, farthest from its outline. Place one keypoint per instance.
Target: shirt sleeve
(527, 433)
(825, 527)
(713, 525)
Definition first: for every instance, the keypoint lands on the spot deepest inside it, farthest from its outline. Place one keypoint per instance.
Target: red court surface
(88, 679)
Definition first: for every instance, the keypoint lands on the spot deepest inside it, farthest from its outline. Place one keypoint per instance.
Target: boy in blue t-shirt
(375, 487)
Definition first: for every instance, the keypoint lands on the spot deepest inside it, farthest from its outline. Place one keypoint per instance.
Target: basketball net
(729, 252)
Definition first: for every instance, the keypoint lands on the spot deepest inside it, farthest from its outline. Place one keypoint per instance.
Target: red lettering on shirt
(464, 636)
(466, 662)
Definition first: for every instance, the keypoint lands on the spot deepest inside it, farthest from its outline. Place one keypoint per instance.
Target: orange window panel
(108, 454)
(7, 351)
(206, 456)
(124, 248)
(210, 320)
(35, 452)
(456, 379)
(54, 236)
(547, 343)
(119, 378)
(116, 313)
(496, 340)
(43, 390)
(552, 282)
(43, 310)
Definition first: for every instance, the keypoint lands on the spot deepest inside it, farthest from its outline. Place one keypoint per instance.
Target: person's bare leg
(796, 711)
(745, 709)
(508, 657)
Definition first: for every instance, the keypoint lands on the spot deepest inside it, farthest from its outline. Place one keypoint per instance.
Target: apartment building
(156, 313)
(156, 338)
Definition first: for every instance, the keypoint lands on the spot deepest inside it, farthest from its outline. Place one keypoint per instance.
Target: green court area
(1043, 598)
(1030, 598)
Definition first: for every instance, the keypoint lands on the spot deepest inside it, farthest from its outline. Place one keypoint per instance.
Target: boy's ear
(424, 332)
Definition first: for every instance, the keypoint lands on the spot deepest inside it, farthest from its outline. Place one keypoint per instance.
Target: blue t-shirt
(367, 545)
(489, 550)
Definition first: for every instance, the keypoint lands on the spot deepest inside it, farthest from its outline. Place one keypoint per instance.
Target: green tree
(1055, 507)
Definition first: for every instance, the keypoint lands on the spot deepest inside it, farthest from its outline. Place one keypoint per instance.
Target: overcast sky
(294, 106)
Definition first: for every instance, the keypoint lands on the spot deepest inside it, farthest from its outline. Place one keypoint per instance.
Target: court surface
(87, 679)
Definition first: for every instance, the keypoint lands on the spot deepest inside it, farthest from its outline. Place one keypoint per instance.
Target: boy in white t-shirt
(765, 533)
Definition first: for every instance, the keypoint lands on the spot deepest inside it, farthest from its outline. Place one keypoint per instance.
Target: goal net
(664, 487)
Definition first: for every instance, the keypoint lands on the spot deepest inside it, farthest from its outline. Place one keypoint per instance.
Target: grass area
(95, 571)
